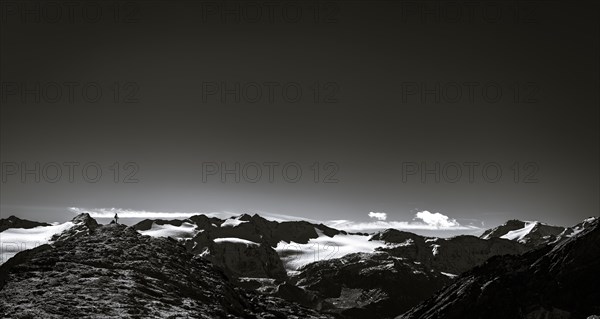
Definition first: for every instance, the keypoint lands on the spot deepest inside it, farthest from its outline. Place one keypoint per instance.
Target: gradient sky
(365, 58)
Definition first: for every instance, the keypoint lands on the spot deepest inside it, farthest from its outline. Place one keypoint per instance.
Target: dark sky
(378, 100)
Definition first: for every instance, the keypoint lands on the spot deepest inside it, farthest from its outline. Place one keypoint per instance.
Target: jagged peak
(82, 216)
(503, 229)
(85, 218)
(245, 217)
(516, 222)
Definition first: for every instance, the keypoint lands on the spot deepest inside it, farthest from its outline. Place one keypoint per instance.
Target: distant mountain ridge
(451, 255)
(15, 222)
(253, 255)
(534, 234)
(253, 228)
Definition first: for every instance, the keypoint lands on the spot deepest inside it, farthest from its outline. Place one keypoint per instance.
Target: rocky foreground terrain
(241, 267)
(113, 271)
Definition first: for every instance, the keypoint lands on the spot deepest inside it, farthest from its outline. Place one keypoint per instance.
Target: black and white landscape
(250, 267)
(268, 159)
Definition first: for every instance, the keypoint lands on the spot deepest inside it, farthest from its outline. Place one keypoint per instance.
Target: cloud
(436, 219)
(423, 220)
(379, 216)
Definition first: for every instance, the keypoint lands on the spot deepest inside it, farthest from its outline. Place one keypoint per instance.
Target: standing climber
(116, 218)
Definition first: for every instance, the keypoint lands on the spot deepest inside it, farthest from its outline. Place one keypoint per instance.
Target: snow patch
(235, 241)
(575, 231)
(259, 279)
(589, 220)
(448, 274)
(232, 222)
(487, 284)
(519, 234)
(405, 243)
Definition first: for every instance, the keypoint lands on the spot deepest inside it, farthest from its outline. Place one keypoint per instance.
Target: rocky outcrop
(15, 222)
(365, 285)
(574, 230)
(555, 281)
(244, 260)
(83, 225)
(114, 272)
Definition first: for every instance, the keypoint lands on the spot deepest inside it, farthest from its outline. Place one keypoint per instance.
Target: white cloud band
(423, 220)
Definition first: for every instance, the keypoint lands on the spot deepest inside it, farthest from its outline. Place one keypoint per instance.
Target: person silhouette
(116, 218)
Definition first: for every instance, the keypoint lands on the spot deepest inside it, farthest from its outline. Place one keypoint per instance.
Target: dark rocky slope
(374, 285)
(242, 260)
(555, 281)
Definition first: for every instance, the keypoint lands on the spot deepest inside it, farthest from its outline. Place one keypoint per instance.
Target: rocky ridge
(15, 222)
(553, 281)
(110, 271)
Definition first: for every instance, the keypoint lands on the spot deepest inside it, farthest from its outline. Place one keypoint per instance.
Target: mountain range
(250, 267)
